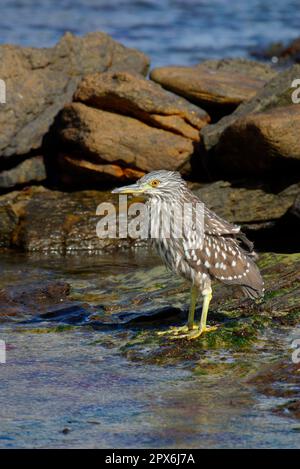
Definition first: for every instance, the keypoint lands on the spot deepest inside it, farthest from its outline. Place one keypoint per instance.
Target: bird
(207, 249)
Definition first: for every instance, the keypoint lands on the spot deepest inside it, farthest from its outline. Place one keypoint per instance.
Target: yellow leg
(193, 302)
(176, 331)
(191, 331)
(206, 301)
(207, 296)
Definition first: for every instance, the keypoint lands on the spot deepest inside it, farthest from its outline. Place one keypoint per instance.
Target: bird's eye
(154, 183)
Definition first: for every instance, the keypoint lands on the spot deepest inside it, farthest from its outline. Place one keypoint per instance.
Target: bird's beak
(132, 189)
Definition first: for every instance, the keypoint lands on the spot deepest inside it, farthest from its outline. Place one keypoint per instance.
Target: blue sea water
(169, 31)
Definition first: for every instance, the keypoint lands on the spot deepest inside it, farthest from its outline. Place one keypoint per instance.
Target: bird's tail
(253, 284)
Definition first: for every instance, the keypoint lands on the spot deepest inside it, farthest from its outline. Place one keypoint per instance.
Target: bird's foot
(181, 331)
(195, 332)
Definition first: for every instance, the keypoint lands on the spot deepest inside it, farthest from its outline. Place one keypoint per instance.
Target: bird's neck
(165, 216)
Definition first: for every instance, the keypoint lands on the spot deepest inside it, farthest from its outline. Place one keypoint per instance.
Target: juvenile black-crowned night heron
(208, 248)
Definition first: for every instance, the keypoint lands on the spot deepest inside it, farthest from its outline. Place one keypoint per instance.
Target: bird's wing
(202, 223)
(222, 258)
(215, 225)
(224, 253)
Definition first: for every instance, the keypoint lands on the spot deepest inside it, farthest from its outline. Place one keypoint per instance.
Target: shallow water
(73, 387)
(170, 31)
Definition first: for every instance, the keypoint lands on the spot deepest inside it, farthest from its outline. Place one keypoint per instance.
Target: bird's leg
(207, 296)
(178, 332)
(193, 302)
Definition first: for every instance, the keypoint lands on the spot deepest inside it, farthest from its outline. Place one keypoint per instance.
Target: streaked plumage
(221, 252)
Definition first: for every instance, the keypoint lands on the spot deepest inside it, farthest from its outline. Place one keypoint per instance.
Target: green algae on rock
(241, 322)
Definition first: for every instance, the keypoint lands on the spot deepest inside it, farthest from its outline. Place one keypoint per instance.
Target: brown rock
(40, 82)
(30, 170)
(261, 143)
(276, 93)
(8, 223)
(105, 137)
(216, 85)
(292, 51)
(278, 52)
(12, 207)
(18, 301)
(40, 220)
(75, 171)
(132, 95)
(246, 206)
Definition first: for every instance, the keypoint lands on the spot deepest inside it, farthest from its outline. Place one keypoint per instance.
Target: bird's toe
(178, 332)
(197, 333)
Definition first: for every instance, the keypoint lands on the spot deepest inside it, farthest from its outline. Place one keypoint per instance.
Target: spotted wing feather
(227, 255)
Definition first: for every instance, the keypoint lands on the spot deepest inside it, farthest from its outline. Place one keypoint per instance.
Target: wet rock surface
(281, 380)
(217, 85)
(43, 220)
(81, 316)
(99, 347)
(146, 305)
(20, 301)
(240, 321)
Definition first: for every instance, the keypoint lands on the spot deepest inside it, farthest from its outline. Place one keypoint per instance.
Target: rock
(100, 319)
(280, 305)
(41, 81)
(30, 170)
(12, 207)
(267, 216)
(246, 206)
(18, 301)
(132, 95)
(75, 172)
(100, 130)
(276, 93)
(8, 224)
(292, 51)
(261, 143)
(295, 209)
(242, 323)
(105, 137)
(37, 219)
(278, 52)
(219, 86)
(40, 220)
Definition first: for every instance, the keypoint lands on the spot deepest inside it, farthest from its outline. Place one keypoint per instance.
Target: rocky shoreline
(83, 115)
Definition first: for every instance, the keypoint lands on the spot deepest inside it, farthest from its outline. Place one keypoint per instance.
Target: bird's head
(160, 183)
